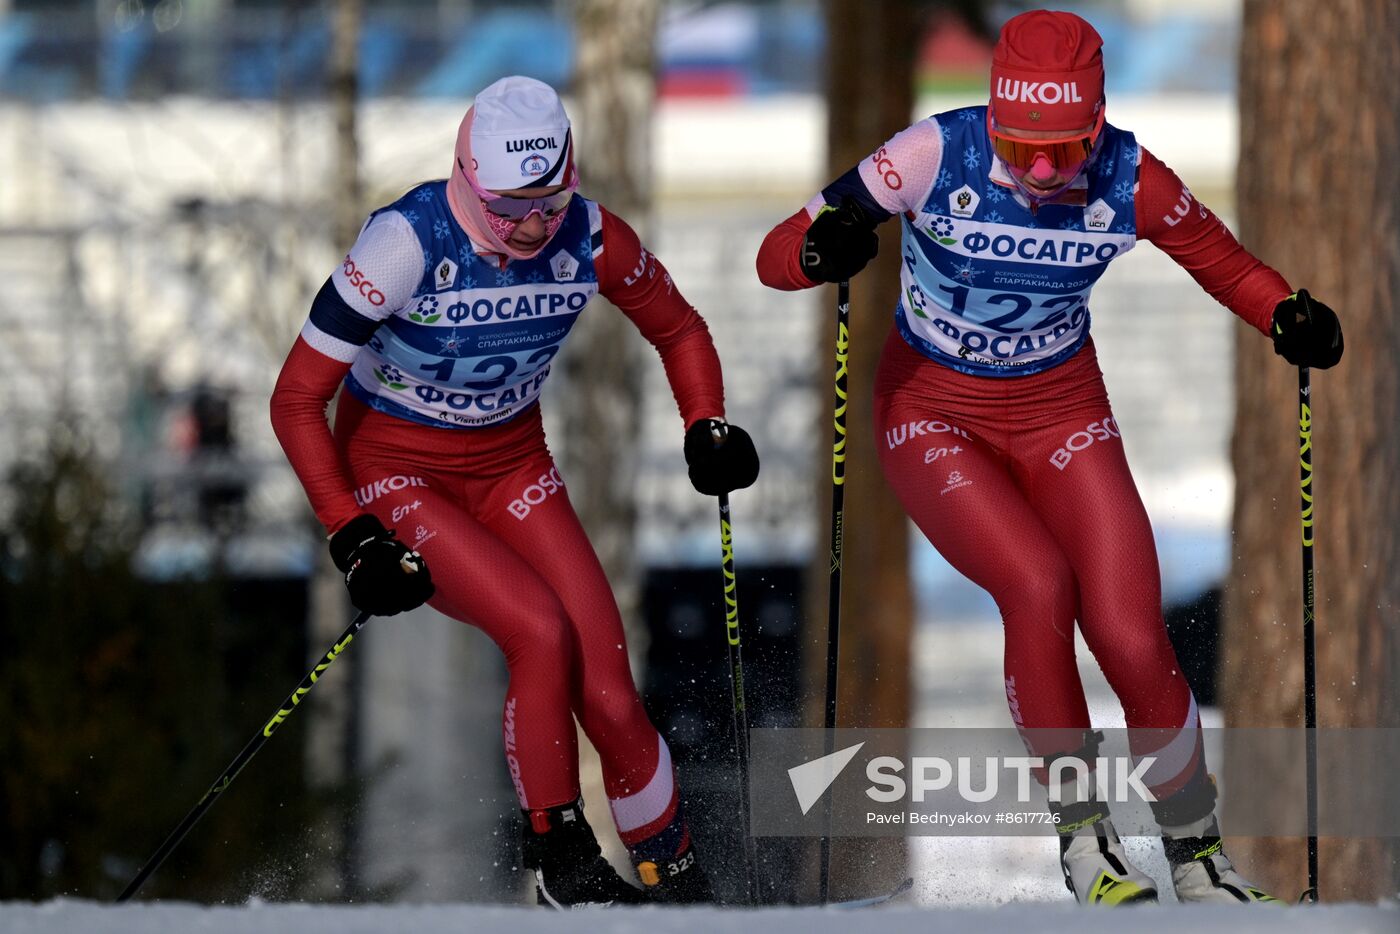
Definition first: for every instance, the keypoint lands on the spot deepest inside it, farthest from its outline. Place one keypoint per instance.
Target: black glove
(721, 457)
(384, 576)
(839, 243)
(1306, 332)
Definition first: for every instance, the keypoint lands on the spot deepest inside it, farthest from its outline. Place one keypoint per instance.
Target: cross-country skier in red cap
(441, 325)
(1009, 214)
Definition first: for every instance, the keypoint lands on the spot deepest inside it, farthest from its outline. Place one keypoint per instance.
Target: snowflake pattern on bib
(992, 288)
(474, 343)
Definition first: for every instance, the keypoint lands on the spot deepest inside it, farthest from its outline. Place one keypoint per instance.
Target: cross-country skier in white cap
(441, 324)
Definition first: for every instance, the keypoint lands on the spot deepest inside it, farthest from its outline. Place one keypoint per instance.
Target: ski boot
(679, 880)
(1095, 865)
(1092, 857)
(667, 865)
(1201, 872)
(558, 846)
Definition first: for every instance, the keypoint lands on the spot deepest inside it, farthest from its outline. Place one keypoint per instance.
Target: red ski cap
(1047, 72)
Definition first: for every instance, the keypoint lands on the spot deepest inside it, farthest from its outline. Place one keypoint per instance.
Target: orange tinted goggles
(1064, 152)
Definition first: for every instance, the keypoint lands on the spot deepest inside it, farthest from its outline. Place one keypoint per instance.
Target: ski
(874, 900)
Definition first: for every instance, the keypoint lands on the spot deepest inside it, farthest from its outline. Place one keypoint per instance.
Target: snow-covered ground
(962, 883)
(77, 916)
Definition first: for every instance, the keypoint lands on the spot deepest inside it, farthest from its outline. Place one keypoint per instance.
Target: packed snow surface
(160, 918)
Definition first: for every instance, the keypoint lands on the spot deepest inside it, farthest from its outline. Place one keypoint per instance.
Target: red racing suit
(992, 421)
(442, 351)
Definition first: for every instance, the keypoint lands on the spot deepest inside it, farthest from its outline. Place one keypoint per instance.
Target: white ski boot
(1096, 867)
(1201, 872)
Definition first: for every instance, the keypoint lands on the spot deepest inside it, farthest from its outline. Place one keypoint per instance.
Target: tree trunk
(334, 751)
(870, 97)
(600, 414)
(345, 95)
(1320, 139)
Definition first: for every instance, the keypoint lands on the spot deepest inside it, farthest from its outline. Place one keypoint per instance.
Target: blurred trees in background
(1318, 200)
(334, 742)
(117, 700)
(614, 92)
(347, 195)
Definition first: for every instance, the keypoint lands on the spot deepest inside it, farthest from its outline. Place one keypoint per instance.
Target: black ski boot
(558, 846)
(676, 881)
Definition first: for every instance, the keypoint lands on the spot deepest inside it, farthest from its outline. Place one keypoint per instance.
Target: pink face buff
(503, 214)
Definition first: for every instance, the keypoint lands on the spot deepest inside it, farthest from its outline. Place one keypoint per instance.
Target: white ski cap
(520, 136)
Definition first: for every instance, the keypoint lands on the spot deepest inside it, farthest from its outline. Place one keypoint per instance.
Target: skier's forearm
(305, 386)
(893, 179)
(634, 280)
(693, 371)
(378, 275)
(1172, 218)
(780, 257)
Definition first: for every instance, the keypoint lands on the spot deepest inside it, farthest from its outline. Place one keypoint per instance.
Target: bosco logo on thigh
(536, 493)
(1103, 430)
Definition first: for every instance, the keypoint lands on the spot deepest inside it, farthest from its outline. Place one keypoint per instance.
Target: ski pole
(1309, 617)
(250, 750)
(838, 509)
(736, 681)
